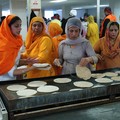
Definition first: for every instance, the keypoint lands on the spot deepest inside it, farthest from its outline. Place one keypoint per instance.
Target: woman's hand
(85, 61)
(100, 57)
(31, 61)
(57, 62)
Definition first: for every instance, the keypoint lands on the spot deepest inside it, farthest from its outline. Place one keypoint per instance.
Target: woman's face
(73, 32)
(37, 27)
(113, 31)
(16, 28)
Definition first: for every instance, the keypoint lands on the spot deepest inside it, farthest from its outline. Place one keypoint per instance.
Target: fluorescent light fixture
(57, 1)
(90, 6)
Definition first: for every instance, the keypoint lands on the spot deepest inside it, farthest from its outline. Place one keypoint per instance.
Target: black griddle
(40, 101)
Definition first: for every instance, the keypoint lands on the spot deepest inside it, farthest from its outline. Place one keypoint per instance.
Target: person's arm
(22, 71)
(28, 61)
(91, 56)
(105, 26)
(58, 61)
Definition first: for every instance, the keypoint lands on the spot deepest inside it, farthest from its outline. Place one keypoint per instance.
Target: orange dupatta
(9, 46)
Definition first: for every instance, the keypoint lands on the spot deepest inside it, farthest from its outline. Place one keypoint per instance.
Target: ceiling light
(57, 1)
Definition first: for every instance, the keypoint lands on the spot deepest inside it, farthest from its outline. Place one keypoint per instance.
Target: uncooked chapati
(116, 78)
(97, 75)
(22, 67)
(16, 87)
(41, 65)
(117, 72)
(26, 92)
(47, 88)
(75, 89)
(83, 72)
(111, 74)
(103, 80)
(62, 80)
(36, 83)
(98, 86)
(83, 84)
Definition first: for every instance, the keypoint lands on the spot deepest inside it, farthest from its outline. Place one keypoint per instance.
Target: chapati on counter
(110, 74)
(75, 89)
(83, 84)
(62, 80)
(97, 75)
(83, 72)
(36, 83)
(103, 80)
(26, 92)
(116, 78)
(16, 87)
(48, 88)
(117, 72)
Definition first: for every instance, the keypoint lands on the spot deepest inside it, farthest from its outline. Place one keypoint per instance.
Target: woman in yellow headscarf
(92, 31)
(38, 45)
(55, 32)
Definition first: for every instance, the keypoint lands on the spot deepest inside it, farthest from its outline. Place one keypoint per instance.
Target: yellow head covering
(30, 35)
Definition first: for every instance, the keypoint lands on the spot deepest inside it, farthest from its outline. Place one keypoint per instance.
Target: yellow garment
(92, 31)
(102, 48)
(55, 32)
(40, 47)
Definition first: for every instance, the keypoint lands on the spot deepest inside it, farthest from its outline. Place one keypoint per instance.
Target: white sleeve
(10, 73)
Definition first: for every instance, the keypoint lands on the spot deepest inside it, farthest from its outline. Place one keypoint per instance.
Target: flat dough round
(83, 72)
(110, 74)
(97, 75)
(26, 92)
(62, 80)
(103, 80)
(83, 84)
(117, 72)
(116, 78)
(22, 67)
(47, 88)
(98, 86)
(75, 89)
(16, 87)
(36, 83)
(41, 65)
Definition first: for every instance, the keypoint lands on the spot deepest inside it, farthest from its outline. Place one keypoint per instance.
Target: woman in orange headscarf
(55, 32)
(10, 44)
(108, 48)
(38, 45)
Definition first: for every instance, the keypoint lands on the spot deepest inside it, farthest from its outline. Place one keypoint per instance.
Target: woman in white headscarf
(75, 49)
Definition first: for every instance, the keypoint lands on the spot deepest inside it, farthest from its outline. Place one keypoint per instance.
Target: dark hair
(108, 9)
(16, 18)
(114, 23)
(86, 14)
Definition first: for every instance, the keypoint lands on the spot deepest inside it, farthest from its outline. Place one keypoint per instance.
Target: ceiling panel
(47, 5)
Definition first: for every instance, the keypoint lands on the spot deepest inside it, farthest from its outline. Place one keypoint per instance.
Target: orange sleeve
(97, 46)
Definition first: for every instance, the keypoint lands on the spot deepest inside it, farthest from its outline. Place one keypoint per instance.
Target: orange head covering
(30, 35)
(54, 29)
(9, 46)
(108, 48)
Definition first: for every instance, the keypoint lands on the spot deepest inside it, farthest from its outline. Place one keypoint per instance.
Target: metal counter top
(110, 111)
